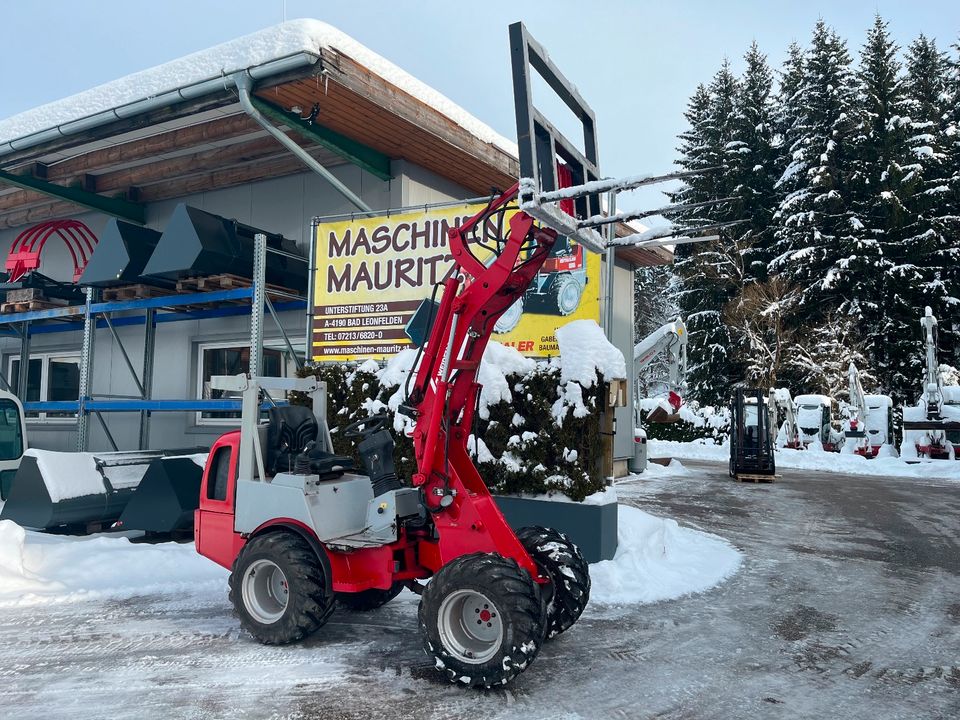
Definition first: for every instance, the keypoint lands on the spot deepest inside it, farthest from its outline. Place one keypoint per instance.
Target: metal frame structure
(153, 311)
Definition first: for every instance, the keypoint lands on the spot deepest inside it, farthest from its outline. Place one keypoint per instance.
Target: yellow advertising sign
(373, 273)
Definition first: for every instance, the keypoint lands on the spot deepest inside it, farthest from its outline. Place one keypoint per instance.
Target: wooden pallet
(30, 305)
(138, 291)
(752, 478)
(225, 281)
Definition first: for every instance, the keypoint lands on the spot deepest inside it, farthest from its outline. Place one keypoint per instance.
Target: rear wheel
(369, 599)
(279, 590)
(481, 619)
(568, 571)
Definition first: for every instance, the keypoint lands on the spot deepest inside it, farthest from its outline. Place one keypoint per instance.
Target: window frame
(45, 358)
(288, 364)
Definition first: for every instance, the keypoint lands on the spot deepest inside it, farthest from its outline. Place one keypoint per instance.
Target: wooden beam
(366, 158)
(29, 216)
(118, 127)
(116, 207)
(192, 164)
(150, 147)
(283, 164)
(374, 88)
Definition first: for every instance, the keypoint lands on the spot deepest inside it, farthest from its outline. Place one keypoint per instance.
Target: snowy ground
(845, 605)
(818, 460)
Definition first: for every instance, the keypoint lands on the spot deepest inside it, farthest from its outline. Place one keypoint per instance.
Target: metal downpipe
(244, 85)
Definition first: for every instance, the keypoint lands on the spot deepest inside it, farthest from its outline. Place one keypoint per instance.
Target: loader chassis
(298, 526)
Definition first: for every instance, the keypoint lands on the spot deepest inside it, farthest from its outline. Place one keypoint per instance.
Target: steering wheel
(370, 425)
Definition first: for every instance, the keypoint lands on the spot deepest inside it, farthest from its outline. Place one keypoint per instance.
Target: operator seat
(292, 428)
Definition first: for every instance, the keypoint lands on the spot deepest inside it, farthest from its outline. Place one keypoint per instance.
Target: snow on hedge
(585, 352)
(280, 41)
(657, 559)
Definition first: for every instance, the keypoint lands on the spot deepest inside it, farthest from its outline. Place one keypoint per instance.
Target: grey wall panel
(622, 337)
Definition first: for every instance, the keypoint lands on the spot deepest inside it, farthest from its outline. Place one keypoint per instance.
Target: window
(53, 377)
(219, 476)
(11, 435)
(227, 359)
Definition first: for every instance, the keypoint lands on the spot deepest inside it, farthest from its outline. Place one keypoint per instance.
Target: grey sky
(635, 62)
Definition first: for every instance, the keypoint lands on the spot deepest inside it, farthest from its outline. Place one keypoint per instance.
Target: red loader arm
(445, 393)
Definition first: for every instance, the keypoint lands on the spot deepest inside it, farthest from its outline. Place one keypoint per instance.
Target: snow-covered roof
(280, 41)
(874, 401)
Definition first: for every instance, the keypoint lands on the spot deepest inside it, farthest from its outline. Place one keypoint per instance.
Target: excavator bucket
(667, 411)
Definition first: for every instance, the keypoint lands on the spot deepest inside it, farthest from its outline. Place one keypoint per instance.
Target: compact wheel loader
(300, 527)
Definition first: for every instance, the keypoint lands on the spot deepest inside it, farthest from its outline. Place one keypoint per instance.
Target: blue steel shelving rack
(152, 312)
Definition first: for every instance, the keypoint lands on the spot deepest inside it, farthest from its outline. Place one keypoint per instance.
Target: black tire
(306, 603)
(369, 599)
(569, 573)
(507, 594)
(567, 292)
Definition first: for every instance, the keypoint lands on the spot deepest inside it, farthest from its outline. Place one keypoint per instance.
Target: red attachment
(565, 180)
(446, 390)
(28, 246)
(675, 400)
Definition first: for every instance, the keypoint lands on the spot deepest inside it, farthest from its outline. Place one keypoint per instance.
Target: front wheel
(481, 619)
(568, 571)
(279, 590)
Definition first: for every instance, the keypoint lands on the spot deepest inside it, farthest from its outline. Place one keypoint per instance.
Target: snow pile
(585, 352)
(658, 560)
(37, 568)
(15, 579)
(280, 41)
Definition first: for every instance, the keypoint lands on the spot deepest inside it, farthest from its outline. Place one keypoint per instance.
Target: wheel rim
(569, 297)
(265, 591)
(470, 626)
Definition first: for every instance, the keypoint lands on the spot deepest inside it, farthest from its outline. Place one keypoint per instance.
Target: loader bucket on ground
(166, 497)
(29, 502)
(107, 482)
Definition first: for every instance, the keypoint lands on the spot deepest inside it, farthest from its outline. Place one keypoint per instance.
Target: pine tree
(881, 184)
(710, 274)
(814, 219)
(916, 244)
(755, 165)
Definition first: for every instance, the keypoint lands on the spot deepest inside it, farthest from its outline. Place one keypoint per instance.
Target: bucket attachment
(121, 255)
(30, 502)
(166, 497)
(79, 491)
(196, 242)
